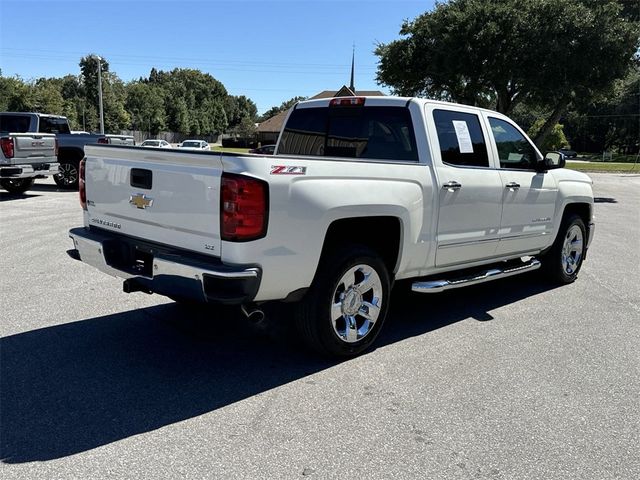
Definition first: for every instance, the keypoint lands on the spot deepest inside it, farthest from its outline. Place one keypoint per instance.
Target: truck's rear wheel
(346, 306)
(563, 262)
(17, 185)
(68, 176)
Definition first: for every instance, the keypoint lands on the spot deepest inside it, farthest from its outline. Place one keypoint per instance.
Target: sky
(269, 51)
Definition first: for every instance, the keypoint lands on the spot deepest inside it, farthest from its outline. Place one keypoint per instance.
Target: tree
(15, 95)
(503, 52)
(245, 129)
(239, 108)
(194, 101)
(554, 141)
(145, 105)
(113, 94)
(48, 96)
(284, 106)
(611, 123)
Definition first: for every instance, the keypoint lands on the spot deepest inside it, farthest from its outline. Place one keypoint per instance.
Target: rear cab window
(377, 133)
(462, 143)
(14, 123)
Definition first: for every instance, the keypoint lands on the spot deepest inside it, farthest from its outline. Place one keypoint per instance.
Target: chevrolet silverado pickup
(24, 156)
(70, 145)
(361, 192)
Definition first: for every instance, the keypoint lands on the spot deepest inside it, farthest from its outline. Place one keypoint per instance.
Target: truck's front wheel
(17, 185)
(562, 263)
(346, 306)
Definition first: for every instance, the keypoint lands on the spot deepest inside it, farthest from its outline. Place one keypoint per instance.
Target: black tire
(17, 185)
(69, 174)
(332, 304)
(562, 263)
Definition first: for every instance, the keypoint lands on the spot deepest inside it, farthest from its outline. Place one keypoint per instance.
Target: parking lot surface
(511, 379)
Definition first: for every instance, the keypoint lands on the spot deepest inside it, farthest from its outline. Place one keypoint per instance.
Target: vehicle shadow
(37, 187)
(6, 196)
(51, 187)
(74, 387)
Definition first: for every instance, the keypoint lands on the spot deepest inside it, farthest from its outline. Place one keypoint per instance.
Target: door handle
(512, 186)
(451, 186)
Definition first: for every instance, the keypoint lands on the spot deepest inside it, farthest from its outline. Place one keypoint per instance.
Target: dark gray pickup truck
(70, 145)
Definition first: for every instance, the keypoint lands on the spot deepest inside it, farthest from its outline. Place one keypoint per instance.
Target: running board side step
(436, 286)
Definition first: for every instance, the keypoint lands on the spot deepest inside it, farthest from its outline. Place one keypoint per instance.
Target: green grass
(616, 157)
(604, 167)
(232, 150)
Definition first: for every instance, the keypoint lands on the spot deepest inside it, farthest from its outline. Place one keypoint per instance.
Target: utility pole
(100, 95)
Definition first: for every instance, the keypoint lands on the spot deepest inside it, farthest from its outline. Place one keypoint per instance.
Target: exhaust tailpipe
(254, 315)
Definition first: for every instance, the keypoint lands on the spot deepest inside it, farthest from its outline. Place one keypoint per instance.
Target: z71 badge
(288, 170)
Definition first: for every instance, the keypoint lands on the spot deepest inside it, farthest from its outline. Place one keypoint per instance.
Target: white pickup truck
(25, 156)
(361, 192)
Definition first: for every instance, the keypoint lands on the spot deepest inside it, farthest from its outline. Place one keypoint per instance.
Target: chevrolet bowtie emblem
(140, 200)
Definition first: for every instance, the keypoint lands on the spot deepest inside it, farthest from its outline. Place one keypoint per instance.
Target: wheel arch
(583, 209)
(387, 242)
(70, 154)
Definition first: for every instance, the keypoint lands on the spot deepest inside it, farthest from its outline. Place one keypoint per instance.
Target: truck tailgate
(169, 197)
(33, 148)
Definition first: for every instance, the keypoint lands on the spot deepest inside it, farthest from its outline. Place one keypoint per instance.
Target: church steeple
(353, 61)
(349, 91)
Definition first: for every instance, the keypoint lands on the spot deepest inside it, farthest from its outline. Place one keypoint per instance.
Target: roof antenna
(353, 57)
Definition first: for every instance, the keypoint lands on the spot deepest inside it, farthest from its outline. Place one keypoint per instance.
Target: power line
(135, 60)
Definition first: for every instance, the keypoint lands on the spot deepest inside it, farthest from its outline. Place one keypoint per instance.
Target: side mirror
(552, 160)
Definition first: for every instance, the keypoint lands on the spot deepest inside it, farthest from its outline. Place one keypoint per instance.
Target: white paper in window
(463, 136)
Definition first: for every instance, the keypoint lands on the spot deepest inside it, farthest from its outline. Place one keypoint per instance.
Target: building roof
(359, 93)
(274, 124)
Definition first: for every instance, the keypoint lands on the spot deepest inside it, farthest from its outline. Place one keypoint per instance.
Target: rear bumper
(155, 268)
(28, 171)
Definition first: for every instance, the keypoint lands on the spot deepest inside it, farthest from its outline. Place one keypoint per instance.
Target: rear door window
(14, 123)
(461, 140)
(380, 133)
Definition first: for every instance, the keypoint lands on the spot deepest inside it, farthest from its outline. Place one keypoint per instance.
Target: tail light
(7, 147)
(244, 204)
(56, 147)
(347, 102)
(82, 186)
(103, 140)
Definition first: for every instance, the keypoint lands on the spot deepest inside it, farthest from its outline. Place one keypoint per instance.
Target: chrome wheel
(357, 301)
(572, 248)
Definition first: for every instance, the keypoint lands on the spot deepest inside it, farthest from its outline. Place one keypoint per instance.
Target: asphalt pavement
(511, 379)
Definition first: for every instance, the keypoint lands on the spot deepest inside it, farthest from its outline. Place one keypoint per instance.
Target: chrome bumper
(172, 275)
(28, 171)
